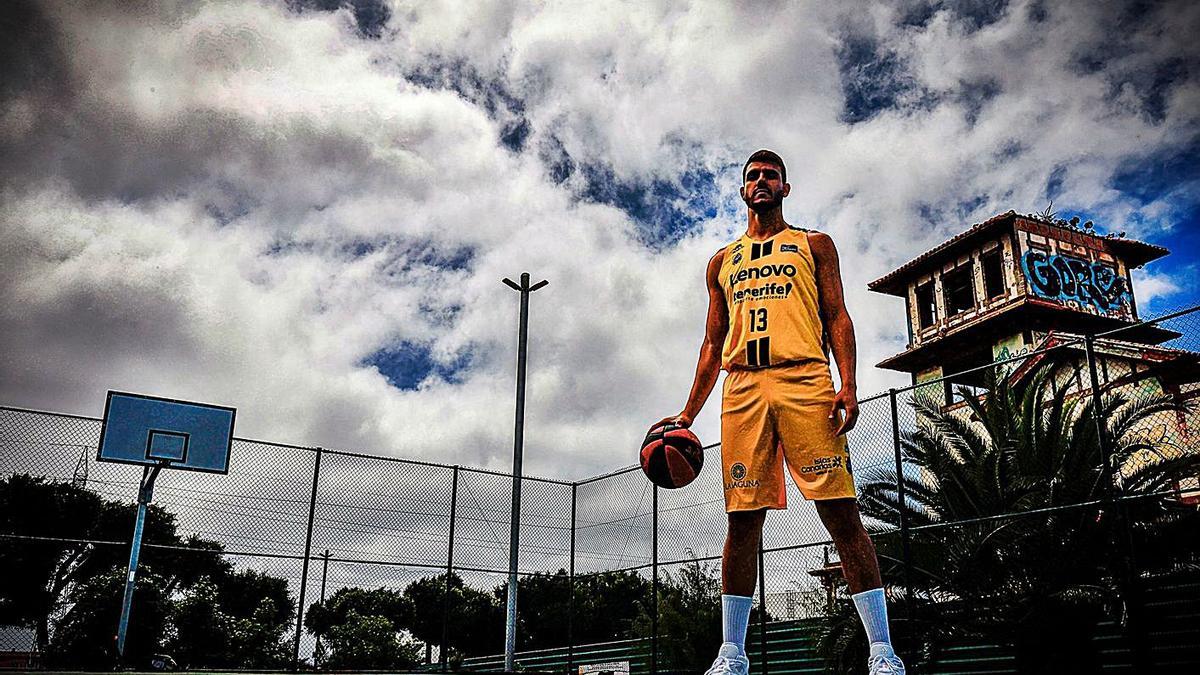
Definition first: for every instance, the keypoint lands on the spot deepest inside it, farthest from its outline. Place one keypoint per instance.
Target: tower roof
(1135, 253)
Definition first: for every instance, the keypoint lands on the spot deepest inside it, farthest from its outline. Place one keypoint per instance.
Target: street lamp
(510, 629)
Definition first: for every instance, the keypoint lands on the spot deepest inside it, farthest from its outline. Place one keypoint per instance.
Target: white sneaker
(885, 662)
(731, 661)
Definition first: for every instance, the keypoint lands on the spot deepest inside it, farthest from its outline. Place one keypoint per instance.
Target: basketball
(671, 456)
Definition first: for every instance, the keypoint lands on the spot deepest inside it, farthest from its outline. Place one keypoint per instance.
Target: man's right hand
(679, 420)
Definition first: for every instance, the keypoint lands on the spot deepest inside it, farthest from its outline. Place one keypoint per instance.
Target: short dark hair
(768, 157)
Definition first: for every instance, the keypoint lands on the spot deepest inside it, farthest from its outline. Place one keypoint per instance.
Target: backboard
(148, 430)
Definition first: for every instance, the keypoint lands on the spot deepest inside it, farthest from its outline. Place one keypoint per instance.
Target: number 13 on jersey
(758, 319)
(758, 351)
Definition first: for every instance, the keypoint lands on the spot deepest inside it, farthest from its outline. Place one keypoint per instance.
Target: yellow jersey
(771, 294)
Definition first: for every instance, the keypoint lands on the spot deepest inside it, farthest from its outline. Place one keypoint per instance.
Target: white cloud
(185, 202)
(1149, 288)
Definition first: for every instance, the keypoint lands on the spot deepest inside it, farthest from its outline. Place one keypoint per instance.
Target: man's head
(764, 181)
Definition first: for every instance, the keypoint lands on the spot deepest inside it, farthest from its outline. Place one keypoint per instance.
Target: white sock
(735, 616)
(872, 609)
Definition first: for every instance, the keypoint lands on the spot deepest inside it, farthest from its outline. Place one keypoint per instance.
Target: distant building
(1015, 284)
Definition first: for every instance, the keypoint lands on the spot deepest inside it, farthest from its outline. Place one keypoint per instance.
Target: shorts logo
(789, 248)
(822, 466)
(738, 473)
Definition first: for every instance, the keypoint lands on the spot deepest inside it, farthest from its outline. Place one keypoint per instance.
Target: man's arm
(709, 364)
(839, 326)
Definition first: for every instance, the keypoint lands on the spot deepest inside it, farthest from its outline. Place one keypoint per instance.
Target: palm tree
(1013, 535)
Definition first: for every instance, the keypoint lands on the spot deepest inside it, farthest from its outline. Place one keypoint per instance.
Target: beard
(761, 207)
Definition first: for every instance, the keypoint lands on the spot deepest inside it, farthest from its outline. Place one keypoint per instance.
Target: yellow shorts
(777, 413)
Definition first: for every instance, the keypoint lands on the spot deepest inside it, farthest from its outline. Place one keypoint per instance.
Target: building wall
(1039, 262)
(983, 305)
(1073, 269)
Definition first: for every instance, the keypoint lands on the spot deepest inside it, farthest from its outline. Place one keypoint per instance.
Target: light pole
(510, 629)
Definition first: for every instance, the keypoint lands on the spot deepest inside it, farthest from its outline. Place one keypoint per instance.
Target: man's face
(763, 188)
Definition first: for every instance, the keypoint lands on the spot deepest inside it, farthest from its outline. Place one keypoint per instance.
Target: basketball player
(774, 303)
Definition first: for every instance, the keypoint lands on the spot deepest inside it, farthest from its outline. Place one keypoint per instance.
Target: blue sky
(304, 209)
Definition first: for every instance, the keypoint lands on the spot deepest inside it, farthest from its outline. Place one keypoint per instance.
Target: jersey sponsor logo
(737, 258)
(822, 466)
(771, 291)
(789, 248)
(737, 473)
(762, 272)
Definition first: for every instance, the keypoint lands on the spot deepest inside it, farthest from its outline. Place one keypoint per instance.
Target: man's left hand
(846, 401)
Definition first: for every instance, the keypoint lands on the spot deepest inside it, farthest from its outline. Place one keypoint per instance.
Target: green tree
(428, 599)
(689, 616)
(336, 609)
(235, 620)
(249, 594)
(1039, 581)
(368, 614)
(37, 576)
(369, 642)
(607, 604)
(202, 630)
(213, 613)
(543, 610)
(85, 637)
(474, 616)
(477, 620)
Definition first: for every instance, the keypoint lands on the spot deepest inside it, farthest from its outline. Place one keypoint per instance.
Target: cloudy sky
(304, 209)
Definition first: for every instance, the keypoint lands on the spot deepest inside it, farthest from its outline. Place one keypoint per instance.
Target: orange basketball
(671, 456)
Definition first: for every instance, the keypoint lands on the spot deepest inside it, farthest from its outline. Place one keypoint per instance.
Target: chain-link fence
(1055, 486)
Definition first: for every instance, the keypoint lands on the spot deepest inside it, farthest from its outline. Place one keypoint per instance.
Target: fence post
(762, 607)
(444, 650)
(654, 587)
(571, 596)
(312, 509)
(902, 503)
(1116, 506)
(1097, 417)
(324, 577)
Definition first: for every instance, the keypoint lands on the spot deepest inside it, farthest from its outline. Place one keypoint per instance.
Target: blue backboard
(152, 431)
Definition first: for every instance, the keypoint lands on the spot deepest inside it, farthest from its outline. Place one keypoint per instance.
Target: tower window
(993, 273)
(926, 305)
(959, 290)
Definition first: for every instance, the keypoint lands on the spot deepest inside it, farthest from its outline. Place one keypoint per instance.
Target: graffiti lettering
(1006, 353)
(1063, 278)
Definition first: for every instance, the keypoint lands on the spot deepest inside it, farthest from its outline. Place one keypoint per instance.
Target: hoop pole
(145, 494)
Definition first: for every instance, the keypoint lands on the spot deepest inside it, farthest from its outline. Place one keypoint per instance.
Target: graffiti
(1005, 353)
(1064, 278)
